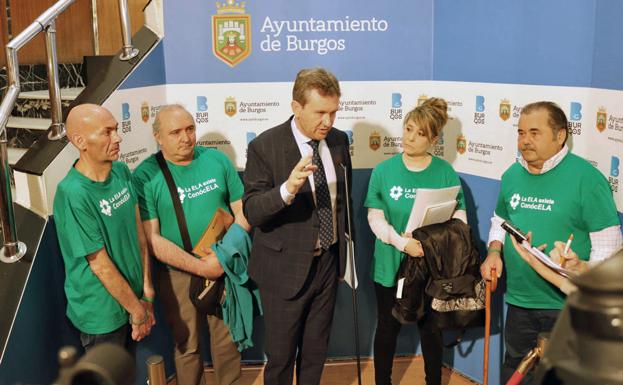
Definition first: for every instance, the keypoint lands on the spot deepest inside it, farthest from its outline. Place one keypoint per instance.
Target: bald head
(84, 119)
(164, 114)
(174, 130)
(93, 130)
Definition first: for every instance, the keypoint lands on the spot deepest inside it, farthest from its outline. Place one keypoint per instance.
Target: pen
(566, 250)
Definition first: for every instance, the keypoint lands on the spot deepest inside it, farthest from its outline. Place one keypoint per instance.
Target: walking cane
(351, 258)
(490, 287)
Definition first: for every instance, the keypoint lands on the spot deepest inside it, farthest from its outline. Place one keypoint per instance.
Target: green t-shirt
(392, 189)
(210, 181)
(572, 198)
(90, 215)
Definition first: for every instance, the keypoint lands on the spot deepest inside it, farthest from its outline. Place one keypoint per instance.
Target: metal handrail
(128, 51)
(57, 128)
(13, 250)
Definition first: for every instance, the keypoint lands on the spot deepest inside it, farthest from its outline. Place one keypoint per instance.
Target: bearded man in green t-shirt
(107, 278)
(552, 193)
(206, 180)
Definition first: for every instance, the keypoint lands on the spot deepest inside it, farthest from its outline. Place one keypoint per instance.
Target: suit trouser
(186, 325)
(299, 328)
(387, 329)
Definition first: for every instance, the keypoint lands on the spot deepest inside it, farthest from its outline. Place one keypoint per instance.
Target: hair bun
(431, 116)
(439, 106)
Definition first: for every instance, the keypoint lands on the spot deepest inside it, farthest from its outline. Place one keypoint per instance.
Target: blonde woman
(391, 194)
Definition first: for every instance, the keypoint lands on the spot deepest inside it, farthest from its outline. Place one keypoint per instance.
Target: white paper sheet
(432, 201)
(350, 271)
(541, 256)
(438, 213)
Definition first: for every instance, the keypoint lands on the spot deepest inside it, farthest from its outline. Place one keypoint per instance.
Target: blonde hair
(431, 116)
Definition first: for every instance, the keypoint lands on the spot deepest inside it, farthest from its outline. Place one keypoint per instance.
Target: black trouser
(387, 329)
(520, 336)
(121, 336)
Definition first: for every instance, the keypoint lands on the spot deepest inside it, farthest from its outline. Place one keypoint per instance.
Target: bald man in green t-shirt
(107, 278)
(552, 193)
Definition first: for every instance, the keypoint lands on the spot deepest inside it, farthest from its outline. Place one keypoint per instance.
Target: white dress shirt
(329, 170)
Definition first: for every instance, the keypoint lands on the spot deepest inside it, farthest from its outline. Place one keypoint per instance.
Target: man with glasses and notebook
(204, 181)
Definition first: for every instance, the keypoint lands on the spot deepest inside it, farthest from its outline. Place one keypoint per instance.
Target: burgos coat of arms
(231, 32)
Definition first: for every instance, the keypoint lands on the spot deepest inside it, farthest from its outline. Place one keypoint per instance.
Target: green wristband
(147, 299)
(494, 250)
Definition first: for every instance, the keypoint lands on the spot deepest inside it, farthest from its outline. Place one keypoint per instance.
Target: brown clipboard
(216, 229)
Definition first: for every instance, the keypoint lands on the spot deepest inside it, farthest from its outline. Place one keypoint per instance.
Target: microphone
(353, 282)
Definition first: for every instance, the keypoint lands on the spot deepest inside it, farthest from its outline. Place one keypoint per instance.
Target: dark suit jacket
(285, 235)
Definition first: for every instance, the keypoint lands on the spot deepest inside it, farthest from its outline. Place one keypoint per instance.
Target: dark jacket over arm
(448, 270)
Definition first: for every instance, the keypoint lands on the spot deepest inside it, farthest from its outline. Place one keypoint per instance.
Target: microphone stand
(351, 258)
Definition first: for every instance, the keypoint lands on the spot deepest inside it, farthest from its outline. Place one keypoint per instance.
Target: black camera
(587, 341)
(105, 364)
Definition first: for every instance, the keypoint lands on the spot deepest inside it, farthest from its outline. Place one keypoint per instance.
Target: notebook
(216, 229)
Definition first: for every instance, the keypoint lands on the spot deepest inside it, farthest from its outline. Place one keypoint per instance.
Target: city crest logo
(602, 118)
(505, 109)
(230, 106)
(461, 144)
(231, 32)
(375, 141)
(145, 112)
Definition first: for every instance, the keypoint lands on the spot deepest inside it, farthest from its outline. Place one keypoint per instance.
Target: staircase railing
(13, 250)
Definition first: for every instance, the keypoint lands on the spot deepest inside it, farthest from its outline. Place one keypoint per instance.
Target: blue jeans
(121, 337)
(520, 336)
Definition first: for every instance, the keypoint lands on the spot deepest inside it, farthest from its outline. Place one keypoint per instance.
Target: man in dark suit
(295, 198)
